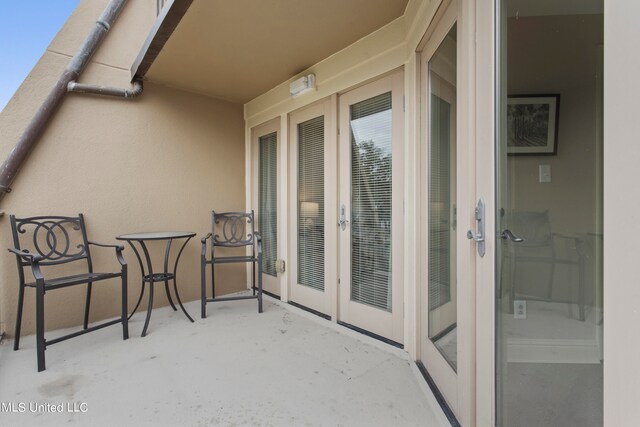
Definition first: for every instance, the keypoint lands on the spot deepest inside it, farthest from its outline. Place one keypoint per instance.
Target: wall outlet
(544, 173)
(519, 309)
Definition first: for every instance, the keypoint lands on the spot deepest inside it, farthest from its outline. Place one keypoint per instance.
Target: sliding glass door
(548, 214)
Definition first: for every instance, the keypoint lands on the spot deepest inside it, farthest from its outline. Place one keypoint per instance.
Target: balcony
(282, 367)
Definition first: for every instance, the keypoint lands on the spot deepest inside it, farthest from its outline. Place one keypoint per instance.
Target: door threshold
(436, 393)
(371, 334)
(310, 310)
(272, 295)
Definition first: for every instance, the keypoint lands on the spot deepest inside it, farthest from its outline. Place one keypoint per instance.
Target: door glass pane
(311, 203)
(371, 138)
(268, 201)
(549, 186)
(442, 199)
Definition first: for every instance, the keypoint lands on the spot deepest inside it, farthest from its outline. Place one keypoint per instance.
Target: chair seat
(221, 260)
(60, 282)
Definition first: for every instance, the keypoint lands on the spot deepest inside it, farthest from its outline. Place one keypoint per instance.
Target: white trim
(520, 350)
(322, 301)
(387, 324)
(269, 283)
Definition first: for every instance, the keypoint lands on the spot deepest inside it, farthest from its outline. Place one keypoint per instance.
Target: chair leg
(260, 284)
(87, 304)
(213, 279)
(253, 277)
(40, 343)
(16, 342)
(551, 280)
(512, 290)
(581, 277)
(203, 289)
(125, 305)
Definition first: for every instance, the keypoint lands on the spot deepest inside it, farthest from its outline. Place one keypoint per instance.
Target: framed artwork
(532, 124)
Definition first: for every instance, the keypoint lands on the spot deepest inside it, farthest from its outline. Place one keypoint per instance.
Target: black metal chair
(57, 240)
(234, 233)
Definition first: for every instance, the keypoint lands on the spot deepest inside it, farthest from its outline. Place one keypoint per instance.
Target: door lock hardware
(478, 235)
(343, 221)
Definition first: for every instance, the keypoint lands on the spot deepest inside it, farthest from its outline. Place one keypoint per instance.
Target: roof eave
(166, 23)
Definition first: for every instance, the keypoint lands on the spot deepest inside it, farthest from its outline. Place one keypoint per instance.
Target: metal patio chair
(57, 240)
(235, 230)
(540, 245)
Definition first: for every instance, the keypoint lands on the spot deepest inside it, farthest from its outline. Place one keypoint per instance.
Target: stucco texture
(160, 162)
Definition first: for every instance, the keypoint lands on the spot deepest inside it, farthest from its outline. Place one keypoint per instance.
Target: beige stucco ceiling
(237, 50)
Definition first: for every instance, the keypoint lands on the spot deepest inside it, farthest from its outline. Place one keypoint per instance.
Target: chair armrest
(26, 256)
(34, 262)
(105, 245)
(565, 236)
(577, 241)
(118, 248)
(203, 253)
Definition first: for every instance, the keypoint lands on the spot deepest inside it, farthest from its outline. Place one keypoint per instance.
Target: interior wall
(160, 162)
(538, 50)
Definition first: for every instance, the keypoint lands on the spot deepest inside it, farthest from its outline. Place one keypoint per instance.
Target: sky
(26, 29)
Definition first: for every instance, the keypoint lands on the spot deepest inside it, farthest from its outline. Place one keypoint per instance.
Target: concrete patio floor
(283, 367)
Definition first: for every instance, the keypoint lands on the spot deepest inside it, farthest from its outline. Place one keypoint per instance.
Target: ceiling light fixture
(302, 85)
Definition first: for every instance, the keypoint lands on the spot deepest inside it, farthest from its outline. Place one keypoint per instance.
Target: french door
(266, 143)
(370, 210)
(445, 332)
(312, 231)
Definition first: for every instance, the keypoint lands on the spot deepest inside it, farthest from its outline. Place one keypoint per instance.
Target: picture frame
(532, 124)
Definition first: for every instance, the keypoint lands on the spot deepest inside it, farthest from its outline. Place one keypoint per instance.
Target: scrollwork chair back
(57, 239)
(233, 229)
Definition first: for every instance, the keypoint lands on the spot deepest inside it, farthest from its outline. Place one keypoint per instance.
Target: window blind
(268, 201)
(439, 204)
(371, 143)
(311, 203)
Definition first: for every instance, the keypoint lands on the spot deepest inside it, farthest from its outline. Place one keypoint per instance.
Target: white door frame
(442, 373)
(269, 283)
(458, 389)
(379, 322)
(322, 302)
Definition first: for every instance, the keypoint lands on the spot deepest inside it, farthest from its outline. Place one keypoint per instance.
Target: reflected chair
(231, 230)
(541, 245)
(54, 241)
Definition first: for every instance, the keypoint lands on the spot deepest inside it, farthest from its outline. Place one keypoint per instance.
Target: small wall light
(302, 85)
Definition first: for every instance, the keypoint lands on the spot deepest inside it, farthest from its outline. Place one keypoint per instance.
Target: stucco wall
(160, 162)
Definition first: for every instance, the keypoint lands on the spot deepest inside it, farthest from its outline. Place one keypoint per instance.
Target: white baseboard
(520, 350)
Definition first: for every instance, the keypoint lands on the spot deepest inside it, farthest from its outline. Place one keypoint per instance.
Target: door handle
(343, 221)
(478, 235)
(507, 234)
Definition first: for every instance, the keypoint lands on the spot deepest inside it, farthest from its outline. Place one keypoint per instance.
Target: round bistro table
(148, 276)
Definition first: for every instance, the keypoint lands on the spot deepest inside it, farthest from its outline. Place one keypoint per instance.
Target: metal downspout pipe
(134, 91)
(65, 83)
